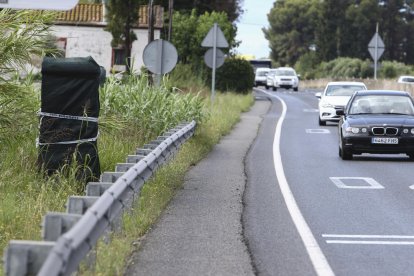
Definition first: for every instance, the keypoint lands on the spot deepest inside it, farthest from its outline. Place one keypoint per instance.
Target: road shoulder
(200, 232)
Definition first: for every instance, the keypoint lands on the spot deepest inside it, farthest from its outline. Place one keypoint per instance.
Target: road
(359, 212)
(274, 198)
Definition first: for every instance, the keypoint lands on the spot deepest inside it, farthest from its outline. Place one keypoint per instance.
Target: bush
(306, 65)
(392, 69)
(342, 68)
(235, 75)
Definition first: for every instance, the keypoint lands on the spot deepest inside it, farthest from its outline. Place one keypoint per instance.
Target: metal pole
(170, 16)
(213, 81)
(376, 53)
(150, 19)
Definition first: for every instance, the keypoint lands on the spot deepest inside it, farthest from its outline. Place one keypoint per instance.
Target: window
(61, 43)
(118, 59)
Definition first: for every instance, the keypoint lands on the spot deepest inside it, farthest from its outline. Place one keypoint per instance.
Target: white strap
(71, 117)
(67, 142)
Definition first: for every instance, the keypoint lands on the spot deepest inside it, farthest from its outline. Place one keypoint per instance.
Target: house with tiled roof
(80, 33)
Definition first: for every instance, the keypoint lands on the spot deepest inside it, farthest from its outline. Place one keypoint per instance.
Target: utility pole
(170, 15)
(150, 21)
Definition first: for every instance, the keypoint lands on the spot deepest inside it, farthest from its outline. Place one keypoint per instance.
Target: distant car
(260, 76)
(269, 78)
(406, 79)
(285, 77)
(335, 95)
(377, 121)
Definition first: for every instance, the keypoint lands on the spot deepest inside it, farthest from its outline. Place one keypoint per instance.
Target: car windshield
(271, 73)
(381, 104)
(280, 72)
(262, 73)
(342, 90)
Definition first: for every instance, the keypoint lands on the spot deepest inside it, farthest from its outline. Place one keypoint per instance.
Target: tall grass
(151, 109)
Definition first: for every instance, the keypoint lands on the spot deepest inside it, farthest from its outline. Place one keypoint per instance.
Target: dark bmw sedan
(377, 121)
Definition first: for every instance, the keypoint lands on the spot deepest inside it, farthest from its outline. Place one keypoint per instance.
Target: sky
(249, 28)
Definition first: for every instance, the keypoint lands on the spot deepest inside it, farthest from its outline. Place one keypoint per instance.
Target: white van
(260, 76)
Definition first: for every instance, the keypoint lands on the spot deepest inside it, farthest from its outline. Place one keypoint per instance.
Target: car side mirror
(318, 95)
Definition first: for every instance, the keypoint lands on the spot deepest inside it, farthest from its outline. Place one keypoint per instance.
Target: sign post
(39, 4)
(214, 39)
(376, 48)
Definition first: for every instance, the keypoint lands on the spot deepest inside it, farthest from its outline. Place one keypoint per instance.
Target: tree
(231, 7)
(292, 29)
(122, 16)
(361, 20)
(23, 36)
(340, 29)
(190, 30)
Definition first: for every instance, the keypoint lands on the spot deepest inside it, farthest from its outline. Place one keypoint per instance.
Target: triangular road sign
(373, 41)
(220, 40)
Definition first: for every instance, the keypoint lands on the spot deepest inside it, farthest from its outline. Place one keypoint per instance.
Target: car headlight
(356, 130)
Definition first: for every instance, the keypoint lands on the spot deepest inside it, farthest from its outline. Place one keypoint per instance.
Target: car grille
(390, 131)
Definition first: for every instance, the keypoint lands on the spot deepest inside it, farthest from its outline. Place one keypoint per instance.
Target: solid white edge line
(316, 256)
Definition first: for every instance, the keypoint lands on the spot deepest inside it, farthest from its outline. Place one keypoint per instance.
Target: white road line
(367, 236)
(370, 242)
(316, 256)
(370, 239)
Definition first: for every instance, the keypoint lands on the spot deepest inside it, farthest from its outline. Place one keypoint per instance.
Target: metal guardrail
(69, 237)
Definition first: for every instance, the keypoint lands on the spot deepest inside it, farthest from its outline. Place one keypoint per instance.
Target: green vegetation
(339, 29)
(235, 75)
(190, 30)
(350, 68)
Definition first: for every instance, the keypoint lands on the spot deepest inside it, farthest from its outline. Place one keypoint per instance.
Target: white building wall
(83, 41)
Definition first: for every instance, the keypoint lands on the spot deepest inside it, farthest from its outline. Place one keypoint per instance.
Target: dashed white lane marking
(358, 183)
(310, 110)
(316, 256)
(318, 131)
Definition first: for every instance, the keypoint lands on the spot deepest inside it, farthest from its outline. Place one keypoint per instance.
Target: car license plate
(382, 140)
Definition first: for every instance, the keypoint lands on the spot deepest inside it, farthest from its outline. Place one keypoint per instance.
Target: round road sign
(160, 57)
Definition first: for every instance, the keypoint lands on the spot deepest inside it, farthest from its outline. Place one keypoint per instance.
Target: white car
(336, 96)
(285, 77)
(269, 78)
(406, 79)
(260, 76)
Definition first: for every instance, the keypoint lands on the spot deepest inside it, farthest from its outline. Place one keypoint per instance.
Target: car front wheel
(344, 153)
(411, 155)
(322, 123)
